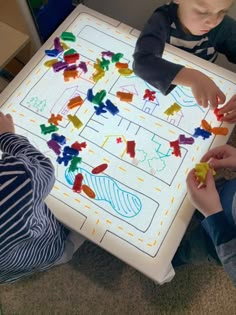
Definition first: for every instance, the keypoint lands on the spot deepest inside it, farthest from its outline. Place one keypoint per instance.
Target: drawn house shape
(149, 107)
(176, 119)
(129, 89)
(60, 106)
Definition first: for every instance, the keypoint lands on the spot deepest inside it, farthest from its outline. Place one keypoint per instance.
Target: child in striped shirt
(31, 238)
(200, 27)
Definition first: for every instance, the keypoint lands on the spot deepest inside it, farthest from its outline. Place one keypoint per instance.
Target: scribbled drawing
(38, 104)
(140, 155)
(159, 145)
(183, 96)
(156, 165)
(154, 159)
(149, 147)
(106, 189)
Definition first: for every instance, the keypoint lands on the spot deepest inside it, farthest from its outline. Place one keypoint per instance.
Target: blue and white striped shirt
(31, 238)
(164, 27)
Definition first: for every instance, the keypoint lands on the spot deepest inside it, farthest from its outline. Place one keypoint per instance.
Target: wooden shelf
(12, 41)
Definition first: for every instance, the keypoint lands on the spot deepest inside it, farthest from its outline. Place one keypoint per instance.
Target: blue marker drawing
(106, 189)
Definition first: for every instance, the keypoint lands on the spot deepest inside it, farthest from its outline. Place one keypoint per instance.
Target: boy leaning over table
(200, 27)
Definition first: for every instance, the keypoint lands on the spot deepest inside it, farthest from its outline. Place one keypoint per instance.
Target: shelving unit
(12, 42)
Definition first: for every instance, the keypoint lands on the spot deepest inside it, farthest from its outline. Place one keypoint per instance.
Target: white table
(140, 212)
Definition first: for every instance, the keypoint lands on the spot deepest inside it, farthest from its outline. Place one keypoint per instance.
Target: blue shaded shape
(106, 189)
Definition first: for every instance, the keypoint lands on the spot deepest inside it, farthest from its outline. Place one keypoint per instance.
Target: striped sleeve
(36, 164)
(31, 238)
(16, 194)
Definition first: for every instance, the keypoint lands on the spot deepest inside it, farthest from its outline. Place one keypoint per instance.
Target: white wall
(131, 12)
(136, 12)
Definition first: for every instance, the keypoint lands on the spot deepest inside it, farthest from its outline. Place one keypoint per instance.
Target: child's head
(200, 16)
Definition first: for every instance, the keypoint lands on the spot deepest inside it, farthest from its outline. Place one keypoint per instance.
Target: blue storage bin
(49, 14)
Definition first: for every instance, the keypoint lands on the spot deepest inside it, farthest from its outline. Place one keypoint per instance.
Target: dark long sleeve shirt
(31, 239)
(223, 235)
(164, 27)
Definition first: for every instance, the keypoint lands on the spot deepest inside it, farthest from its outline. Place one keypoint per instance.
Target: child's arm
(223, 156)
(199, 196)
(148, 61)
(222, 233)
(37, 165)
(205, 91)
(165, 75)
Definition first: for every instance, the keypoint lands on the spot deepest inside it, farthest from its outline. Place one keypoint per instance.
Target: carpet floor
(97, 283)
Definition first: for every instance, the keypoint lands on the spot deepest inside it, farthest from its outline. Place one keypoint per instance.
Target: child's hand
(6, 123)
(200, 196)
(223, 156)
(205, 91)
(229, 110)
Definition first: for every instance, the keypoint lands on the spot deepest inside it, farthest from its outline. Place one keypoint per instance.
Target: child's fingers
(204, 102)
(189, 177)
(210, 179)
(228, 107)
(229, 118)
(213, 102)
(214, 163)
(199, 100)
(221, 97)
(207, 156)
(217, 153)
(9, 116)
(191, 180)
